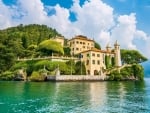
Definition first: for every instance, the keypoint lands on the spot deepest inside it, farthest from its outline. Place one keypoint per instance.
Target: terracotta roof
(97, 50)
(81, 37)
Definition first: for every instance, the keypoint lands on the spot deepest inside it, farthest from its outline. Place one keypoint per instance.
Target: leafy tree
(7, 75)
(115, 75)
(138, 71)
(71, 66)
(67, 51)
(132, 56)
(41, 64)
(63, 67)
(80, 68)
(49, 46)
(7, 58)
(96, 45)
(108, 62)
(113, 61)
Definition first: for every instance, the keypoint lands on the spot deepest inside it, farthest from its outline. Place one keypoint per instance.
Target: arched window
(88, 72)
(87, 62)
(96, 72)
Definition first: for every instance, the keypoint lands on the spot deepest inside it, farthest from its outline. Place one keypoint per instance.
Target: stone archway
(96, 72)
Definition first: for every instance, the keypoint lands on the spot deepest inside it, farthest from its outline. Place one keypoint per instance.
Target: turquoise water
(75, 97)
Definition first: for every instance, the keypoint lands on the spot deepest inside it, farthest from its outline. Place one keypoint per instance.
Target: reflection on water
(75, 97)
(97, 94)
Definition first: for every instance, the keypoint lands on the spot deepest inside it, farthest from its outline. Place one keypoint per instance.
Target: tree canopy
(97, 45)
(132, 56)
(50, 46)
(21, 41)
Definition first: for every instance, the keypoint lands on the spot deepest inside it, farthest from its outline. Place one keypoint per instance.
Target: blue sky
(104, 20)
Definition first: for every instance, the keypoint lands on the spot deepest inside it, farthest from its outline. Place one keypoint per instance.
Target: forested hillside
(21, 41)
(32, 41)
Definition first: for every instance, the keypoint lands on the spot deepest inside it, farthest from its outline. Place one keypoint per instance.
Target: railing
(48, 57)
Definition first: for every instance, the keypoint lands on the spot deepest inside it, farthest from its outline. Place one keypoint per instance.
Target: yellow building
(79, 44)
(59, 40)
(94, 60)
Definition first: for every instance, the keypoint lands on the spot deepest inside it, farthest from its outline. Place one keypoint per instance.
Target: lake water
(75, 97)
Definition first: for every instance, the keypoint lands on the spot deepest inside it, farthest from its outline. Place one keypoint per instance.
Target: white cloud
(141, 35)
(61, 22)
(95, 19)
(5, 16)
(124, 31)
(32, 11)
(104, 38)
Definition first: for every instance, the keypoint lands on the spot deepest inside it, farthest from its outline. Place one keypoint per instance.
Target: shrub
(41, 64)
(19, 65)
(138, 71)
(115, 75)
(36, 76)
(64, 69)
(7, 75)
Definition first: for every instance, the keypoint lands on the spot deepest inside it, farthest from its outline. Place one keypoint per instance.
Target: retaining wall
(76, 78)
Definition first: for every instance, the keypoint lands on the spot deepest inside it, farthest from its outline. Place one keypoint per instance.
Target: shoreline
(84, 78)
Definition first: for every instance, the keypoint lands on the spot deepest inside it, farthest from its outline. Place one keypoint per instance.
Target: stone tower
(117, 54)
(108, 48)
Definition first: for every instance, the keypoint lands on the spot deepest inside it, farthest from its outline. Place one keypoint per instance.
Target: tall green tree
(67, 51)
(7, 58)
(132, 56)
(80, 68)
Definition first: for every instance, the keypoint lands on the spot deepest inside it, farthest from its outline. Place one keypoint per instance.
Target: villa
(95, 60)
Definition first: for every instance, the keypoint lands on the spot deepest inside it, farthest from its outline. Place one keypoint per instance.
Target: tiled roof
(98, 50)
(81, 37)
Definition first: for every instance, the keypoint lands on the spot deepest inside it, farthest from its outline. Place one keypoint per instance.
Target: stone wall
(76, 78)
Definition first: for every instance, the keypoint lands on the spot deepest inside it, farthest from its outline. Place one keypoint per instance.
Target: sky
(105, 21)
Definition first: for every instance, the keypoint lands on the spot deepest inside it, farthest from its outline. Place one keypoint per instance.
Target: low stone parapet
(76, 78)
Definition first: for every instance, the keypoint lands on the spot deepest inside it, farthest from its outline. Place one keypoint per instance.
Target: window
(87, 62)
(88, 71)
(77, 42)
(83, 46)
(98, 55)
(77, 48)
(83, 43)
(93, 61)
(88, 55)
(93, 54)
(96, 72)
(72, 49)
(80, 42)
(98, 62)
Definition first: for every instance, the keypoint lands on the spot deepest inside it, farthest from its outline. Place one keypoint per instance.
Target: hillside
(32, 41)
(20, 41)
